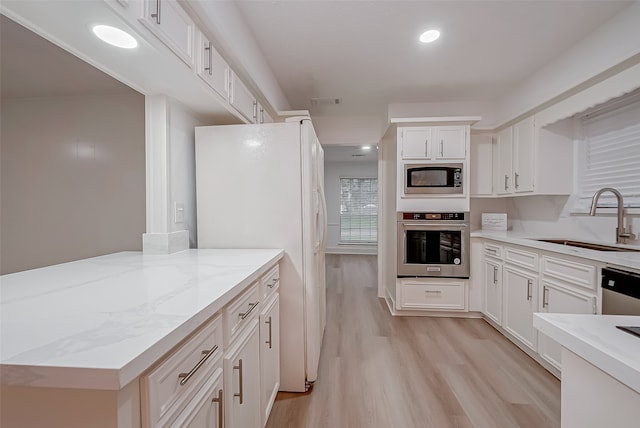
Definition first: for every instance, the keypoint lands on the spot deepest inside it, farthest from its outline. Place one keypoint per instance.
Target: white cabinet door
(269, 356)
(523, 155)
(503, 178)
(481, 160)
(242, 380)
(416, 142)
(205, 409)
(559, 298)
(242, 99)
(212, 68)
(171, 24)
(493, 290)
(450, 142)
(520, 302)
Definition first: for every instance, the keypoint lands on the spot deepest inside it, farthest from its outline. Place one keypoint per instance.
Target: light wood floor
(382, 371)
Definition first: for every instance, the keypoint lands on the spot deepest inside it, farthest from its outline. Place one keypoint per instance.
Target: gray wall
(72, 178)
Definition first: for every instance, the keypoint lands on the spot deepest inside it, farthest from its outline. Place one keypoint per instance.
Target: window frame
(373, 230)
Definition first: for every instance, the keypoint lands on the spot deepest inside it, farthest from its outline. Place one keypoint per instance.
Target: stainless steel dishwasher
(620, 292)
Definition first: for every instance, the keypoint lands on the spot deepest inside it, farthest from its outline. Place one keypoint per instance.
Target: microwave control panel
(433, 216)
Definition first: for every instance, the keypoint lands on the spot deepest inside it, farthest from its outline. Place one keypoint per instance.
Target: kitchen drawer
(448, 295)
(167, 388)
(270, 282)
(525, 259)
(492, 250)
(242, 310)
(579, 274)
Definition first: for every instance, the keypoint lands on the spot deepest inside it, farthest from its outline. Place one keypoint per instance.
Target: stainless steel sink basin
(588, 245)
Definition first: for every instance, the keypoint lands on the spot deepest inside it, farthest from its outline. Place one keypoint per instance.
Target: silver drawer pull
(252, 306)
(273, 282)
(240, 394)
(206, 354)
(220, 402)
(433, 291)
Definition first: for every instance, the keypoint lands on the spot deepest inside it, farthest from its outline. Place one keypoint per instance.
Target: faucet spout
(621, 232)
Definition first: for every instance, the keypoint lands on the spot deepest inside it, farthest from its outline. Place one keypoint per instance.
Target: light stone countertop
(99, 323)
(621, 259)
(596, 339)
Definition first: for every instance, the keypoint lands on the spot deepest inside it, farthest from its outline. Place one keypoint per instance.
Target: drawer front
(492, 250)
(242, 310)
(270, 283)
(579, 274)
(443, 296)
(169, 386)
(525, 259)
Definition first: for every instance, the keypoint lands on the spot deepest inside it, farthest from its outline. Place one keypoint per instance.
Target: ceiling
(34, 67)
(367, 54)
(336, 153)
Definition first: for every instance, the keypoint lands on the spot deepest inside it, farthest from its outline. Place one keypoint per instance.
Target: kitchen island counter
(99, 323)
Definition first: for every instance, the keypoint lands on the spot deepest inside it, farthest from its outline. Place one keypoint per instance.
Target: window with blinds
(609, 152)
(358, 210)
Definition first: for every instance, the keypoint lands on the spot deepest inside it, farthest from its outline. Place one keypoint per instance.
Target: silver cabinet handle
(495, 274)
(157, 14)
(545, 297)
(426, 148)
(255, 111)
(252, 306)
(273, 282)
(433, 291)
(208, 48)
(240, 394)
(220, 402)
(506, 182)
(529, 285)
(516, 180)
(184, 377)
(442, 148)
(268, 342)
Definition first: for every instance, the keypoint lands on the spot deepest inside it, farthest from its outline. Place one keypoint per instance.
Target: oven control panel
(433, 216)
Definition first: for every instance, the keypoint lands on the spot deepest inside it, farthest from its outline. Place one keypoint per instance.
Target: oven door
(431, 249)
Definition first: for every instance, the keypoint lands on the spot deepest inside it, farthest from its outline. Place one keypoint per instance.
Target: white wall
(72, 179)
(350, 129)
(333, 171)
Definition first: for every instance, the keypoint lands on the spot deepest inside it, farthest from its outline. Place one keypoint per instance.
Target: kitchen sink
(588, 245)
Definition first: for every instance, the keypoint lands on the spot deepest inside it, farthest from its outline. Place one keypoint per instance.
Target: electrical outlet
(179, 212)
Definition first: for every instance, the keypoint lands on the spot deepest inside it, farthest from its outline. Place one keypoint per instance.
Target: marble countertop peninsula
(596, 339)
(99, 323)
(621, 259)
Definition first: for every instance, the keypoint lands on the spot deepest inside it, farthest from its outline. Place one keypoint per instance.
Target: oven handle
(437, 225)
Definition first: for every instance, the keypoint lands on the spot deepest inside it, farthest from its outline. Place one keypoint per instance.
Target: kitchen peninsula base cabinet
(158, 341)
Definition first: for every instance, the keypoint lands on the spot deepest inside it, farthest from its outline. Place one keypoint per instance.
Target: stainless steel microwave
(433, 178)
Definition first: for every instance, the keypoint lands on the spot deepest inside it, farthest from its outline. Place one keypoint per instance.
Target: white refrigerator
(262, 186)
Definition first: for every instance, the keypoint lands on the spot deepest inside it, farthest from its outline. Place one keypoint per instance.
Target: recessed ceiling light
(115, 36)
(429, 36)
(366, 148)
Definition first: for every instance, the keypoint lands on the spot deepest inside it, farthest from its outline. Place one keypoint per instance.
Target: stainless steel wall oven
(433, 244)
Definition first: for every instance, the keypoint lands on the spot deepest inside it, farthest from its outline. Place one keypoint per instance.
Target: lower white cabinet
(493, 290)
(556, 297)
(269, 356)
(205, 410)
(520, 302)
(242, 379)
(431, 294)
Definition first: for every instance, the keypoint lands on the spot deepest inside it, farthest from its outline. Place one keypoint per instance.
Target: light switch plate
(179, 212)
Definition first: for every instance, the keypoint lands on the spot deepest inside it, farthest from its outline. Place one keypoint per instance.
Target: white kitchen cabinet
(242, 99)
(481, 161)
(172, 25)
(242, 379)
(502, 181)
(205, 409)
(493, 290)
(212, 68)
(523, 155)
(431, 293)
(269, 356)
(433, 142)
(520, 302)
(558, 297)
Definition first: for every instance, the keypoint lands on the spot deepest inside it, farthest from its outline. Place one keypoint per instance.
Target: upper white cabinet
(212, 68)
(262, 115)
(529, 160)
(433, 142)
(171, 24)
(242, 99)
(482, 168)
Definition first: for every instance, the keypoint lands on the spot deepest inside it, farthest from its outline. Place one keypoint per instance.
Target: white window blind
(609, 153)
(358, 210)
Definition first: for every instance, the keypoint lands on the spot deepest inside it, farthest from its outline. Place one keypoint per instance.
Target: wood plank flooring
(377, 370)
